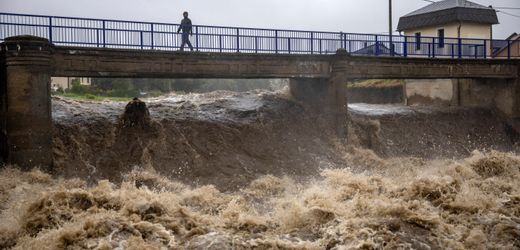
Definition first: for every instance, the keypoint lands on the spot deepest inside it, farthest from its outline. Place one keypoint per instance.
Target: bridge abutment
(326, 97)
(26, 124)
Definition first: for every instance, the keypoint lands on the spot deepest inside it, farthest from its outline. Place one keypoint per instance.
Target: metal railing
(88, 32)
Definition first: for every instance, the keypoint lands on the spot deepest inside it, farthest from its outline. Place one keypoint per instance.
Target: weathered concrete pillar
(325, 96)
(26, 106)
(516, 89)
(3, 107)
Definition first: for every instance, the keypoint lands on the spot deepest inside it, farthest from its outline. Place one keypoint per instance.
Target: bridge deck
(96, 62)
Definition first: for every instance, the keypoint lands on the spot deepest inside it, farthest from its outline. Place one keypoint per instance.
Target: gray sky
(359, 16)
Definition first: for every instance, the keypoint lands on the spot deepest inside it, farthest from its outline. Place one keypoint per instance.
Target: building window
(418, 41)
(440, 35)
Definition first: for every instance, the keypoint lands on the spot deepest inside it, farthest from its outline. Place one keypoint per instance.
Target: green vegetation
(90, 97)
(122, 92)
(376, 83)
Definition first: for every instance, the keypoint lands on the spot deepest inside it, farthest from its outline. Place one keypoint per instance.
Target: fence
(88, 32)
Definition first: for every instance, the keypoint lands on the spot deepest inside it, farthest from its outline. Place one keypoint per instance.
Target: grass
(376, 83)
(90, 97)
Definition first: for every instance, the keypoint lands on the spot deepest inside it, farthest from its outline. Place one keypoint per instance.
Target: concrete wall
(326, 97)
(430, 92)
(501, 95)
(376, 95)
(3, 109)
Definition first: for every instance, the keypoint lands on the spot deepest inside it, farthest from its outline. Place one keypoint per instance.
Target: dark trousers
(186, 40)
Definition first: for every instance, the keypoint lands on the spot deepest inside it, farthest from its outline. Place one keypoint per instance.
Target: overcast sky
(364, 16)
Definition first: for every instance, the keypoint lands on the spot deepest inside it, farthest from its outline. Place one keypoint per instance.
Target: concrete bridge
(27, 64)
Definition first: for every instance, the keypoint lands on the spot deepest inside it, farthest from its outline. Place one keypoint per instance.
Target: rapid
(258, 170)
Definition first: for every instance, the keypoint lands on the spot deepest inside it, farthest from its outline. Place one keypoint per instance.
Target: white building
(66, 82)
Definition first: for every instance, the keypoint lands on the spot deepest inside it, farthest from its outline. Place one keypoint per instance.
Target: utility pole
(390, 32)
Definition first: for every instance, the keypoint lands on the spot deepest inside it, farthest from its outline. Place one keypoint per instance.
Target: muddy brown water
(256, 170)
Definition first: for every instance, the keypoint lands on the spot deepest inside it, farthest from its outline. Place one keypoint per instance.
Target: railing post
(377, 45)
(238, 40)
(460, 48)
(452, 50)
(276, 41)
(341, 43)
(142, 45)
(345, 41)
(97, 37)
(312, 42)
(104, 34)
(197, 38)
(405, 48)
(50, 29)
(485, 49)
(151, 35)
(256, 44)
(476, 51)
(220, 42)
(433, 47)
(289, 45)
(319, 40)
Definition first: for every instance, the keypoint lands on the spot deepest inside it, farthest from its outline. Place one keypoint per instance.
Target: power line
(506, 8)
(506, 13)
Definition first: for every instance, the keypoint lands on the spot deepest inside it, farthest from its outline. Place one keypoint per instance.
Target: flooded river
(257, 170)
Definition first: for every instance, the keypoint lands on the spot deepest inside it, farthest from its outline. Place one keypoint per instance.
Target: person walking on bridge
(186, 28)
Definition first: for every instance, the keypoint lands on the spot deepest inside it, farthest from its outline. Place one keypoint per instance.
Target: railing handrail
(113, 32)
(213, 26)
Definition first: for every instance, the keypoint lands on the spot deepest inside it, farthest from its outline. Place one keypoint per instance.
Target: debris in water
(136, 114)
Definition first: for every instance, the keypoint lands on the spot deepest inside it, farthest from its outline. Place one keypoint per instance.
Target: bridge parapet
(94, 62)
(417, 68)
(72, 61)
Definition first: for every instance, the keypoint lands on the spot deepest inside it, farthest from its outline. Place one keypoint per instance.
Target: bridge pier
(326, 96)
(26, 122)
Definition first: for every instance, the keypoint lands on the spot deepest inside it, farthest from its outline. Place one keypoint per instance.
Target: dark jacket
(185, 26)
